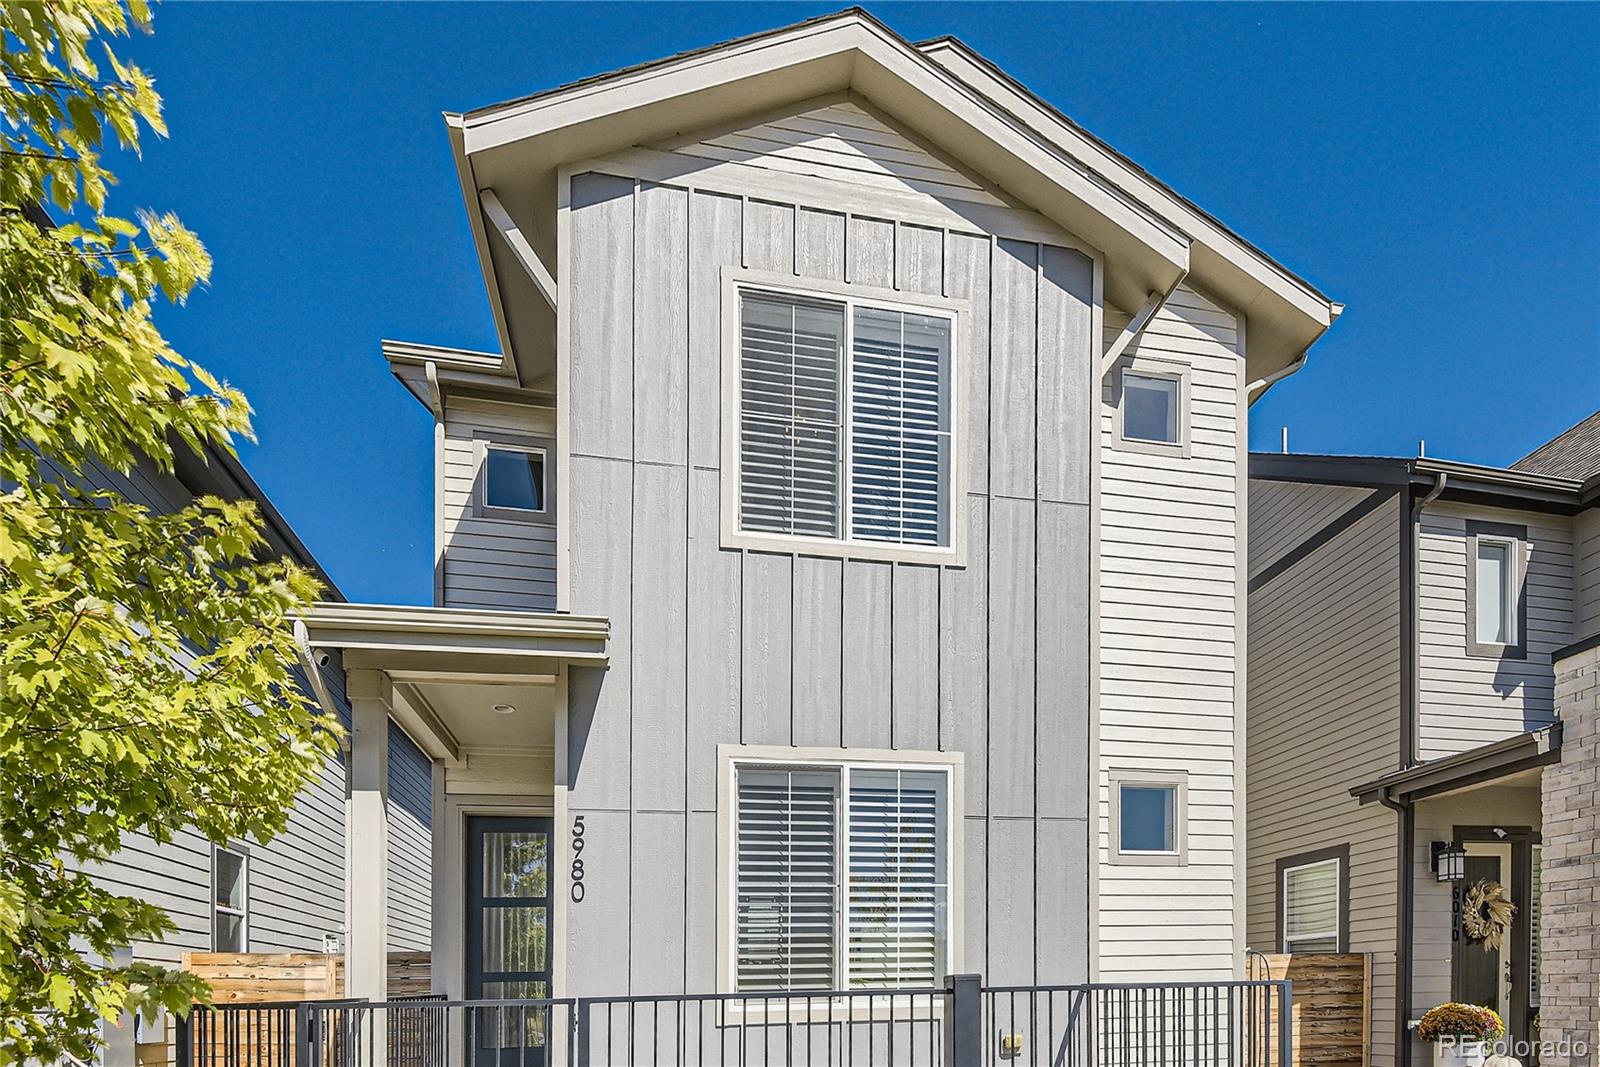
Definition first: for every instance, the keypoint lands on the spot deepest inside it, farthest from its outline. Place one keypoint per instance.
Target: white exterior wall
(1468, 701)
(1171, 642)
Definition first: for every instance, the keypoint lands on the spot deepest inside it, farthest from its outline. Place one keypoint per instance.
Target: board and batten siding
(296, 880)
(1170, 617)
(496, 563)
(1468, 701)
(711, 645)
(1324, 700)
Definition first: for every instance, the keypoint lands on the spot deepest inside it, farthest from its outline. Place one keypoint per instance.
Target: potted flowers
(1459, 1033)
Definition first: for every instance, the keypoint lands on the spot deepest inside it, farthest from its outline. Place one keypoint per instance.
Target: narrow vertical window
(1495, 593)
(790, 360)
(897, 878)
(230, 896)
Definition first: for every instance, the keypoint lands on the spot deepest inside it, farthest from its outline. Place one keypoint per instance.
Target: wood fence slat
(1331, 1005)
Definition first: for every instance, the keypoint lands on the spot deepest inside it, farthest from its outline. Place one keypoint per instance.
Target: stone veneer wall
(1569, 1000)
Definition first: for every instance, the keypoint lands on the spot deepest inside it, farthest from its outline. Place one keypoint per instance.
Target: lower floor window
(1311, 906)
(841, 876)
(230, 896)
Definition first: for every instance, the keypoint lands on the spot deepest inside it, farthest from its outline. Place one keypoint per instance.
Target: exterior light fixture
(1449, 862)
(503, 709)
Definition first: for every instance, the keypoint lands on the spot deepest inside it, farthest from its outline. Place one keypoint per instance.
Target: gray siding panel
(1324, 698)
(783, 648)
(1586, 574)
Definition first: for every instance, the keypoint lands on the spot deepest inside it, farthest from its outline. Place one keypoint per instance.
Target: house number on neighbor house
(577, 859)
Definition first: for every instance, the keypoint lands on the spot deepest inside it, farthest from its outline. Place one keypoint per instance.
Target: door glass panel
(515, 864)
(511, 1025)
(1479, 967)
(514, 939)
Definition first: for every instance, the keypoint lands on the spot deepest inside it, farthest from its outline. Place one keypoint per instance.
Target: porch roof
(1486, 763)
(439, 670)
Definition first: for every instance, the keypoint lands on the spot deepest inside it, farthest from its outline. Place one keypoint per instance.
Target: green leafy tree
(146, 659)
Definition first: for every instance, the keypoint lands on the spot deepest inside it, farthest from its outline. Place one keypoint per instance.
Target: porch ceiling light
(503, 709)
(1449, 862)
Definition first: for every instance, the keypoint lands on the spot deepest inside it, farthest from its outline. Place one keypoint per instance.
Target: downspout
(1255, 389)
(1410, 713)
(436, 405)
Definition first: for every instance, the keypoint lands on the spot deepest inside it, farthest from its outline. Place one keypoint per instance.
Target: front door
(1484, 976)
(508, 938)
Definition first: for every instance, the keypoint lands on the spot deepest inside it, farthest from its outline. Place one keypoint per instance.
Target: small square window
(1149, 813)
(1150, 408)
(514, 479)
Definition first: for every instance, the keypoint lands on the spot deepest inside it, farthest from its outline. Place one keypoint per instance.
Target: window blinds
(897, 878)
(790, 356)
(899, 426)
(1311, 907)
(786, 904)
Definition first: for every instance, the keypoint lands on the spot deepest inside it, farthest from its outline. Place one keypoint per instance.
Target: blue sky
(1437, 168)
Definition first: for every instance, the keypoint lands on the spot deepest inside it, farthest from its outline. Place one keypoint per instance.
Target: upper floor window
(514, 478)
(230, 896)
(1312, 900)
(844, 422)
(1148, 817)
(1496, 621)
(841, 876)
(1152, 409)
(1494, 583)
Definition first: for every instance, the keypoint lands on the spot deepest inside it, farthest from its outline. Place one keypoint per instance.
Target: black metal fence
(964, 1024)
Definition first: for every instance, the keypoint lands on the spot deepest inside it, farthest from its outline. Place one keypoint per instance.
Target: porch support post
(366, 946)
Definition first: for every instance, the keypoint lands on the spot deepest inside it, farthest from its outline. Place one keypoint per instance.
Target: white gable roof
(966, 116)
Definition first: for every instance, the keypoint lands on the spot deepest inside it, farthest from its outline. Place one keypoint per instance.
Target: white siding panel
(1169, 625)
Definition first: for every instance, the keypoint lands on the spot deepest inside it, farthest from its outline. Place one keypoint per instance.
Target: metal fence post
(1285, 1023)
(963, 1020)
(185, 1051)
(303, 1038)
(580, 1022)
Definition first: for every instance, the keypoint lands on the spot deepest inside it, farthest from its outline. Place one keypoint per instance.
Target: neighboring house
(287, 894)
(1405, 615)
(838, 572)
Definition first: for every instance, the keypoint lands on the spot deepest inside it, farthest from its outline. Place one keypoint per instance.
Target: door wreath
(1486, 915)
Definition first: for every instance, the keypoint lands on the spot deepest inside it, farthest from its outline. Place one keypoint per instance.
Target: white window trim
(953, 555)
(1170, 370)
(482, 508)
(1338, 906)
(1178, 782)
(243, 913)
(729, 759)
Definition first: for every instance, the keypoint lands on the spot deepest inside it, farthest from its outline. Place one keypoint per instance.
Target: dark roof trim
(220, 473)
(1499, 759)
(1467, 482)
(1592, 641)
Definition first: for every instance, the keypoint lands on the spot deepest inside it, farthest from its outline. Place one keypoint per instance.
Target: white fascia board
(979, 74)
(461, 632)
(879, 65)
(480, 236)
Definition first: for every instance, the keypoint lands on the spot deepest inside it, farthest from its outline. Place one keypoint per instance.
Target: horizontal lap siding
(1467, 701)
(712, 645)
(490, 562)
(1324, 714)
(1586, 574)
(1169, 617)
(296, 880)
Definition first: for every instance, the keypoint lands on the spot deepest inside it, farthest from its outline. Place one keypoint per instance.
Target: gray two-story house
(839, 574)
(1408, 622)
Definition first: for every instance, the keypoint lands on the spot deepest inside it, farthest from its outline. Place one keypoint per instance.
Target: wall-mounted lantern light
(1449, 862)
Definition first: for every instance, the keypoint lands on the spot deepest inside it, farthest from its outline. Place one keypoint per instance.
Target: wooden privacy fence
(1332, 999)
(259, 977)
